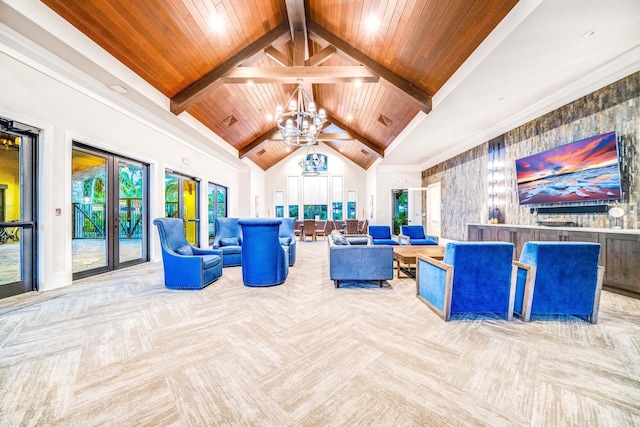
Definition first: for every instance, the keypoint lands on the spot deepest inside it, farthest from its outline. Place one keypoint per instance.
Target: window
(217, 207)
(278, 199)
(336, 197)
(352, 213)
(315, 197)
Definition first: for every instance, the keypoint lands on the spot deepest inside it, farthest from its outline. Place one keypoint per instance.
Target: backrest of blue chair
(227, 227)
(171, 232)
(482, 275)
(286, 228)
(566, 275)
(380, 231)
(413, 231)
(261, 248)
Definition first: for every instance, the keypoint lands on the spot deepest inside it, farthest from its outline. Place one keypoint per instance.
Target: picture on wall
(582, 170)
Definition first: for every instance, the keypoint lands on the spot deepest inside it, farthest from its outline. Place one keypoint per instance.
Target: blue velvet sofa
(415, 235)
(355, 258)
(229, 239)
(381, 235)
(185, 266)
(287, 238)
(473, 278)
(559, 278)
(265, 262)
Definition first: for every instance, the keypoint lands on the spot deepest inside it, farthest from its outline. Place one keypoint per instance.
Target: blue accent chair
(473, 278)
(559, 278)
(264, 261)
(185, 266)
(287, 237)
(381, 235)
(414, 235)
(229, 239)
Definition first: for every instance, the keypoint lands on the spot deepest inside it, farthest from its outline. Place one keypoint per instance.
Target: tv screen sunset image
(582, 170)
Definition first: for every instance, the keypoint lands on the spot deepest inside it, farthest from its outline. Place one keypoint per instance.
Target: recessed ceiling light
(216, 22)
(357, 82)
(589, 34)
(269, 117)
(373, 23)
(118, 89)
(349, 117)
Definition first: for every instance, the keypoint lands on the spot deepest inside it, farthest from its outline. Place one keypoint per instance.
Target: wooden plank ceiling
(229, 63)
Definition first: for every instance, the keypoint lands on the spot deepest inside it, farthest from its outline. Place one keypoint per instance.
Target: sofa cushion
(211, 260)
(229, 241)
(358, 240)
(339, 239)
(184, 250)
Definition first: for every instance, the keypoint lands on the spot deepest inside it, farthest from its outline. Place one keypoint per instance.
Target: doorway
(18, 160)
(109, 211)
(182, 200)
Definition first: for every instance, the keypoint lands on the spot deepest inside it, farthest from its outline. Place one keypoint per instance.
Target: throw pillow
(339, 239)
(184, 250)
(229, 241)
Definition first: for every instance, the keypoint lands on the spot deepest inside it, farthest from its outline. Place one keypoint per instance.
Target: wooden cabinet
(619, 251)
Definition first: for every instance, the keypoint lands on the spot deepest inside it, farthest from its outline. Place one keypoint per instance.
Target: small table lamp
(616, 213)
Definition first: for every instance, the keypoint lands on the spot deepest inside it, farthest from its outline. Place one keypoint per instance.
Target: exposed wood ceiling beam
(370, 145)
(395, 80)
(210, 81)
(321, 56)
(325, 74)
(245, 151)
(277, 56)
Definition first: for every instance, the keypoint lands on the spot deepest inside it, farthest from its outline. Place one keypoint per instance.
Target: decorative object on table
(472, 278)
(559, 278)
(265, 262)
(185, 266)
(228, 238)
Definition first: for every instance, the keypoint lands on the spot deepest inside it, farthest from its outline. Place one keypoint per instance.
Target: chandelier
(300, 125)
(313, 163)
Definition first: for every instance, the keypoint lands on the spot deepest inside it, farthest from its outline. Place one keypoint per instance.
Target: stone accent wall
(613, 108)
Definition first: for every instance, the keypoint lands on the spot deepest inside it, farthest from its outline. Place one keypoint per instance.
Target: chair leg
(336, 283)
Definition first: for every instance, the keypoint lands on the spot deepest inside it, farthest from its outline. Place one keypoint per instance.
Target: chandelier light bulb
(278, 112)
(312, 107)
(292, 105)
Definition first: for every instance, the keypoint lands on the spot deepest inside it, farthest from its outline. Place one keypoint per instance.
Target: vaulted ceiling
(372, 65)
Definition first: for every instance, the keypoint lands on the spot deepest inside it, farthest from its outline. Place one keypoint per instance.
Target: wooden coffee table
(405, 257)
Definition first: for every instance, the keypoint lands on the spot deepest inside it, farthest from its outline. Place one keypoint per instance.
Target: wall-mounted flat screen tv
(582, 170)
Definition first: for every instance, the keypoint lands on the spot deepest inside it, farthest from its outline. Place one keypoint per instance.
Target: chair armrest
(434, 285)
(525, 278)
(201, 251)
(403, 238)
(436, 238)
(436, 263)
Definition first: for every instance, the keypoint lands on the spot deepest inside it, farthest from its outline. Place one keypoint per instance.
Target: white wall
(67, 113)
(354, 177)
(385, 181)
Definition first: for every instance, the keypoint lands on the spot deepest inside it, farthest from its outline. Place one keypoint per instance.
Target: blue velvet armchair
(287, 237)
(229, 240)
(414, 235)
(381, 235)
(185, 266)
(473, 278)
(265, 262)
(559, 278)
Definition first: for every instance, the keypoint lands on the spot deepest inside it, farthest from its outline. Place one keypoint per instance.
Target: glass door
(182, 200)
(110, 221)
(17, 209)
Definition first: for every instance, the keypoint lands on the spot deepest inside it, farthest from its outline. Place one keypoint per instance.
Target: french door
(109, 211)
(182, 200)
(18, 159)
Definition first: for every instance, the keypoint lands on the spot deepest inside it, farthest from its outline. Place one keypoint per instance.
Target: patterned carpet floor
(120, 349)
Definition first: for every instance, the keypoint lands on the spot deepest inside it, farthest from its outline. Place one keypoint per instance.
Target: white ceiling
(536, 60)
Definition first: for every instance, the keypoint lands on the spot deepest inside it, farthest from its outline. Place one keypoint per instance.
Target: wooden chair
(331, 225)
(364, 227)
(297, 228)
(309, 229)
(321, 229)
(341, 225)
(352, 226)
